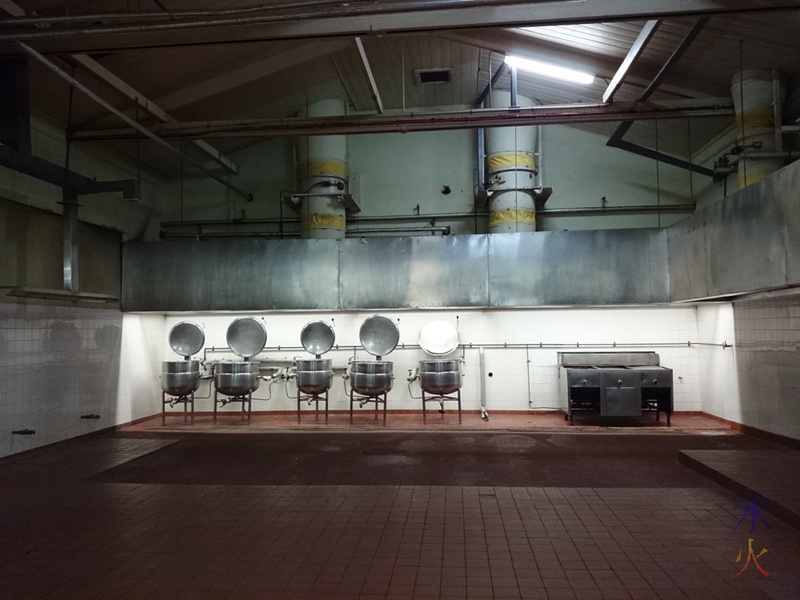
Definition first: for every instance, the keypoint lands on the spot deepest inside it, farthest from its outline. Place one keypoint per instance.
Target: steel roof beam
(100, 72)
(373, 86)
(404, 122)
(644, 37)
(360, 19)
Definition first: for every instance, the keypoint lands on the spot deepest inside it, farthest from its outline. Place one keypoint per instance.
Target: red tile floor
(155, 513)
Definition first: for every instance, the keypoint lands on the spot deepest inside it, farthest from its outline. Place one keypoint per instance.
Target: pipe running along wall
(511, 167)
(322, 175)
(755, 93)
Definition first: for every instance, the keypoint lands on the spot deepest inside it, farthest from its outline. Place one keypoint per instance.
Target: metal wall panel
(688, 260)
(787, 193)
(746, 240)
(623, 266)
(414, 272)
(231, 275)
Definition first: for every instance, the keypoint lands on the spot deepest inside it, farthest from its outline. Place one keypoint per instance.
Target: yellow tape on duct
(511, 160)
(757, 118)
(327, 222)
(752, 176)
(335, 168)
(521, 215)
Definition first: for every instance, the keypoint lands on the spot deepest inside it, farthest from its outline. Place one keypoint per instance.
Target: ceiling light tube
(549, 70)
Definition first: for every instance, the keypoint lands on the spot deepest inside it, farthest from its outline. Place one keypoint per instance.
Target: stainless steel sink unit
(439, 378)
(314, 376)
(181, 378)
(615, 384)
(237, 380)
(371, 380)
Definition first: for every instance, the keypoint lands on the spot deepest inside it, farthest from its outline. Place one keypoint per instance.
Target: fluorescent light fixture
(549, 70)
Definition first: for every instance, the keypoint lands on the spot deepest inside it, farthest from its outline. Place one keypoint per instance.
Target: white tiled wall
(58, 363)
(768, 363)
(757, 382)
(557, 330)
(720, 381)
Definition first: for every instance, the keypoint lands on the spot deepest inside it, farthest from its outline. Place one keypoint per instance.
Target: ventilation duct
(322, 176)
(511, 170)
(758, 97)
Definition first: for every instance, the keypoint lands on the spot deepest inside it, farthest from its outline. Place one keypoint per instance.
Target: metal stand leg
(384, 409)
(185, 408)
(326, 407)
(316, 405)
(459, 406)
(298, 407)
(376, 408)
(249, 407)
(163, 408)
(424, 414)
(215, 407)
(192, 408)
(351, 407)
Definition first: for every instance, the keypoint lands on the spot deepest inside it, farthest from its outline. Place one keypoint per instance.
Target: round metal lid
(379, 335)
(317, 337)
(246, 336)
(438, 338)
(186, 338)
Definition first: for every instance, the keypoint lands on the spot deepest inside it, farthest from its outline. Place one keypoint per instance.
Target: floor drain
(713, 432)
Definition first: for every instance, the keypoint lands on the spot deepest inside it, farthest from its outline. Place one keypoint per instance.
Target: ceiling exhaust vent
(425, 76)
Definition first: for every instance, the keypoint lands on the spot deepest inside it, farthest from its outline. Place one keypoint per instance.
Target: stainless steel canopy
(186, 338)
(379, 335)
(317, 337)
(246, 336)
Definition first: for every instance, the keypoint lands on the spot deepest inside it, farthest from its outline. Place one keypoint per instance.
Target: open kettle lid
(186, 338)
(317, 337)
(246, 336)
(438, 338)
(379, 335)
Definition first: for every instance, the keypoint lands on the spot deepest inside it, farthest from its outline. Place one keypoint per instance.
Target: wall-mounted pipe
(482, 372)
(432, 230)
(167, 235)
(173, 235)
(552, 212)
(131, 122)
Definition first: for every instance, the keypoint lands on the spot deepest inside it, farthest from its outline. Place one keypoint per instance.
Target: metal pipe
(482, 371)
(166, 235)
(615, 210)
(474, 118)
(487, 90)
(442, 230)
(143, 130)
(481, 162)
(528, 372)
(205, 222)
(513, 91)
(549, 212)
(70, 242)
